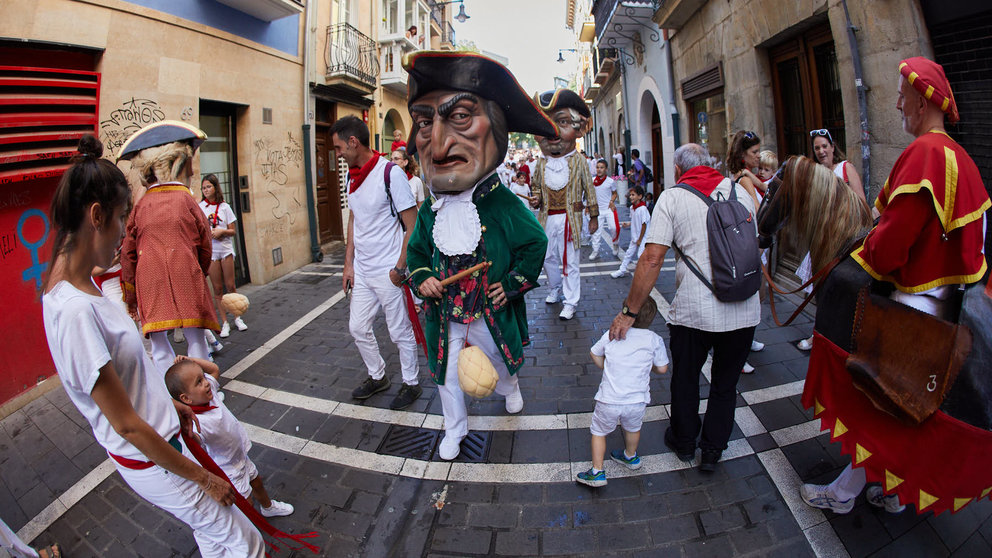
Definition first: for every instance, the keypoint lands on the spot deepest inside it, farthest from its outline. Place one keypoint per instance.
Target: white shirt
(220, 216)
(378, 235)
(604, 193)
(84, 333)
(417, 189)
(680, 217)
(638, 217)
(225, 439)
(521, 190)
(629, 361)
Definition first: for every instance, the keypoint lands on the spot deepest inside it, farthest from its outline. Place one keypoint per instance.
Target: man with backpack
(640, 174)
(716, 302)
(380, 208)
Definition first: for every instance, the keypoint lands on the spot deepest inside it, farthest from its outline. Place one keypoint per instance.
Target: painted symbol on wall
(37, 267)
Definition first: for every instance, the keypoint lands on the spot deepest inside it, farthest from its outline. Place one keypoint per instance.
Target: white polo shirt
(378, 235)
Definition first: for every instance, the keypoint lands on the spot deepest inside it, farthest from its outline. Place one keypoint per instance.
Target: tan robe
(579, 185)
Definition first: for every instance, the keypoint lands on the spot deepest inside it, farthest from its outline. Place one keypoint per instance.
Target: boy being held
(640, 217)
(194, 381)
(624, 391)
(768, 164)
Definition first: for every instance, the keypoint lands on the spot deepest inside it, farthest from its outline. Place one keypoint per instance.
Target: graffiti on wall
(37, 268)
(131, 116)
(274, 163)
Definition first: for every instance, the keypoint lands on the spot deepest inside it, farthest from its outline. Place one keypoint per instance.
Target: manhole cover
(407, 441)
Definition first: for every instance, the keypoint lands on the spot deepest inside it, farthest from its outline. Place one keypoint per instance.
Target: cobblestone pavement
(289, 377)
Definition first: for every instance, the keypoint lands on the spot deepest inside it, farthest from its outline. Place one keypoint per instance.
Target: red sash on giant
(940, 464)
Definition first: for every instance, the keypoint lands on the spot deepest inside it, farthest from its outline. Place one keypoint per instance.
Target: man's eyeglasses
(821, 132)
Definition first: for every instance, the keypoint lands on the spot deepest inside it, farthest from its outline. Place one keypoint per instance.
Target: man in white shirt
(697, 321)
(606, 196)
(375, 260)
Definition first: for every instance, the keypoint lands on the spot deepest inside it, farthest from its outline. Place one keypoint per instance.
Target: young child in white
(194, 381)
(640, 218)
(624, 391)
(521, 189)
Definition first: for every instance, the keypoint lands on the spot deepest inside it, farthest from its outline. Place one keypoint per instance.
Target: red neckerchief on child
(409, 175)
(598, 181)
(213, 217)
(638, 204)
(358, 175)
(200, 409)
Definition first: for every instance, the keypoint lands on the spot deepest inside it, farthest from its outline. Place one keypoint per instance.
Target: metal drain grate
(475, 447)
(410, 442)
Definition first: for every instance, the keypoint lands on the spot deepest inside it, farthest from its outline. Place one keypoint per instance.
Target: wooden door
(329, 226)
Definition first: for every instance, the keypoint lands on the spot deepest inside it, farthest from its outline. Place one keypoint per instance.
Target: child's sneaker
(240, 324)
(225, 330)
(819, 496)
(277, 509)
(215, 346)
(632, 463)
(589, 478)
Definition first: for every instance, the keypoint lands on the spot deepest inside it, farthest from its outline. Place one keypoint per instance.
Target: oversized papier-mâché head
(463, 106)
(570, 115)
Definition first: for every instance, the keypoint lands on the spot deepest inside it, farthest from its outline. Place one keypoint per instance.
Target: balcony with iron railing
(393, 76)
(351, 58)
(448, 35)
(621, 11)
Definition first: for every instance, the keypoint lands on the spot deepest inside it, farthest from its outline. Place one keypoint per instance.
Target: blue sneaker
(632, 463)
(589, 479)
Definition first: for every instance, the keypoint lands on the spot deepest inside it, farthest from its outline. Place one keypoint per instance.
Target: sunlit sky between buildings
(527, 32)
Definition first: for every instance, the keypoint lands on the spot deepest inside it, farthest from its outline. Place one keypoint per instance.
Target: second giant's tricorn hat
(432, 70)
(557, 99)
(160, 133)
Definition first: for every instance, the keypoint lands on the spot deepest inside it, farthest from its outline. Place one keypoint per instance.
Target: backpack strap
(706, 199)
(389, 195)
(688, 262)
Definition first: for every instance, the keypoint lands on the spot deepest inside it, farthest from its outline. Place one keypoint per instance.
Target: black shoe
(407, 395)
(370, 387)
(682, 453)
(709, 460)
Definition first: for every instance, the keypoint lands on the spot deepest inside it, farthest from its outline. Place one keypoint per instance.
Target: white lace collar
(556, 171)
(457, 229)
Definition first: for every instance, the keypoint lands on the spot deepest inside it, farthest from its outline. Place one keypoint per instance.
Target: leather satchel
(905, 361)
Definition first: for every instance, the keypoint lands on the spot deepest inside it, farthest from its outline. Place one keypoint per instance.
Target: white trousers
(164, 356)
(368, 295)
(558, 250)
(849, 484)
(452, 397)
(13, 544)
(606, 231)
(220, 531)
(634, 251)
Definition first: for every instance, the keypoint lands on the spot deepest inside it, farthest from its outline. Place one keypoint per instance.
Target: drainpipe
(673, 107)
(862, 102)
(315, 254)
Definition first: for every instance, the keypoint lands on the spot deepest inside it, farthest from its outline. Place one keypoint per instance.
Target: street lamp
(462, 16)
(561, 58)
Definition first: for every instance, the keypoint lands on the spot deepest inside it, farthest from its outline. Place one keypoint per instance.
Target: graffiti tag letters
(130, 117)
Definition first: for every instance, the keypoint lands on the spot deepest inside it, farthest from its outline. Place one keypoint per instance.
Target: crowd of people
(457, 241)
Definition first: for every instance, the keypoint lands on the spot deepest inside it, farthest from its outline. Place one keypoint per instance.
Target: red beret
(928, 77)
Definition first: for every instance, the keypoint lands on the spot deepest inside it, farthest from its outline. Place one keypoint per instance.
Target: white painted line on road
(797, 433)
(748, 421)
(767, 394)
(277, 339)
(324, 273)
(66, 500)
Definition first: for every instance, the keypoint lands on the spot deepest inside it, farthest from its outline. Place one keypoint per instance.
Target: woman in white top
(221, 219)
(409, 166)
(107, 374)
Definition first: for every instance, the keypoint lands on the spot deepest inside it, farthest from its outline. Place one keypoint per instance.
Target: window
(346, 12)
(708, 125)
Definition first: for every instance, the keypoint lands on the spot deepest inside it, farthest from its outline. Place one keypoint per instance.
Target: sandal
(805, 344)
(52, 551)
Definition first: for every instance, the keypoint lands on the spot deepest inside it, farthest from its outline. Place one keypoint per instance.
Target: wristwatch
(626, 311)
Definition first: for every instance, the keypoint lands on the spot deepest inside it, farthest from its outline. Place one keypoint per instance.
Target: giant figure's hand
(431, 287)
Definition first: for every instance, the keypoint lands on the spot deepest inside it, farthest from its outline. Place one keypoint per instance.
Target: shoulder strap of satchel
(688, 262)
(389, 194)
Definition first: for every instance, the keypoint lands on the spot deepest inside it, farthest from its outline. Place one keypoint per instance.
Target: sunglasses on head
(821, 132)
(750, 135)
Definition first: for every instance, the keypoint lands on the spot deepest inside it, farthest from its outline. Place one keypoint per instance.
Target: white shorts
(222, 252)
(242, 481)
(606, 416)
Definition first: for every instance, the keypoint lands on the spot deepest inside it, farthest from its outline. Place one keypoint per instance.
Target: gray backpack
(734, 256)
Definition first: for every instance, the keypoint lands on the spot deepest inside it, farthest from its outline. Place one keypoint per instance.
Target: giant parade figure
(560, 182)
(463, 106)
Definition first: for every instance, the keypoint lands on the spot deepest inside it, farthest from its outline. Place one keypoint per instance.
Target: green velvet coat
(514, 242)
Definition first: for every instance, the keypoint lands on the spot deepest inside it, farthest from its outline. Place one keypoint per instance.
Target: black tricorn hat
(562, 98)
(431, 70)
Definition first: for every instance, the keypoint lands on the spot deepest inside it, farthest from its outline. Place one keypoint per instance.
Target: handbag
(905, 361)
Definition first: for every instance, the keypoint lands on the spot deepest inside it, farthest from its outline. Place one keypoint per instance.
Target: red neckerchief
(705, 179)
(200, 409)
(597, 181)
(358, 175)
(638, 204)
(409, 175)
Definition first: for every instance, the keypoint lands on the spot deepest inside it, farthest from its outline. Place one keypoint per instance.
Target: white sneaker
(748, 369)
(877, 497)
(567, 312)
(756, 346)
(215, 346)
(177, 335)
(806, 344)
(277, 509)
(450, 447)
(225, 330)
(616, 250)
(819, 496)
(240, 324)
(594, 254)
(514, 402)
(554, 296)
(619, 273)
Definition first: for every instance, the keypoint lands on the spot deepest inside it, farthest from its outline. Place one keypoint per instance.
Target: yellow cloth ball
(235, 303)
(476, 374)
